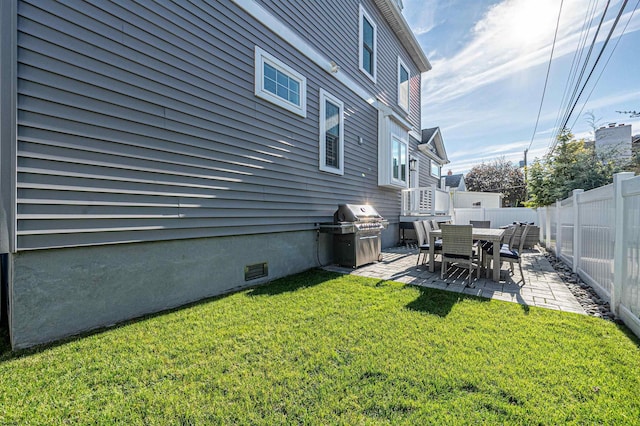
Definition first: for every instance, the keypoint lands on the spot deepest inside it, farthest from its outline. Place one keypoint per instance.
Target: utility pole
(526, 194)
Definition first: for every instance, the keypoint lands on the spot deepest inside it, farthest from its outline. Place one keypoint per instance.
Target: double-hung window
(398, 161)
(435, 169)
(368, 44)
(331, 134)
(403, 85)
(280, 84)
(393, 149)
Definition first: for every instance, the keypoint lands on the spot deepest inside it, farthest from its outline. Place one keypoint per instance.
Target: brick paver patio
(543, 286)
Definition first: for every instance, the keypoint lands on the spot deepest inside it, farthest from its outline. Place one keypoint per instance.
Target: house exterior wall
(8, 69)
(614, 140)
(138, 132)
(338, 33)
(57, 293)
(426, 178)
(140, 124)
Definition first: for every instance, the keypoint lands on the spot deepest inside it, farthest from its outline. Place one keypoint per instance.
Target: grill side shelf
(336, 228)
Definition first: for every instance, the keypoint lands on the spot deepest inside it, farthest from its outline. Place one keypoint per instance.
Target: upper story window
(403, 85)
(368, 44)
(393, 149)
(331, 134)
(435, 169)
(399, 161)
(280, 84)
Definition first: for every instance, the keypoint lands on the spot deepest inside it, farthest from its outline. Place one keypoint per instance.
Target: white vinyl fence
(597, 233)
(498, 217)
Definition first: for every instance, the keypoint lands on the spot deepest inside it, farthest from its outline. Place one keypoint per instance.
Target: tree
(499, 176)
(570, 166)
(593, 122)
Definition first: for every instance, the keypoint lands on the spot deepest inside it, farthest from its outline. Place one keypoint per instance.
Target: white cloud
(499, 53)
(513, 36)
(421, 18)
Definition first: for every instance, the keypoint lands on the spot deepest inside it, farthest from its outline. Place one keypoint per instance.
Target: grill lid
(355, 213)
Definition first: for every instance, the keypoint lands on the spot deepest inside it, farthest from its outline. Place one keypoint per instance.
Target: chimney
(449, 173)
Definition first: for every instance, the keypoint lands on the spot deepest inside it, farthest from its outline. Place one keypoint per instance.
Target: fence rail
(597, 233)
(425, 201)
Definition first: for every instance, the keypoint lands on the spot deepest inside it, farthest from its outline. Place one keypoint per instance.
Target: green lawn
(320, 348)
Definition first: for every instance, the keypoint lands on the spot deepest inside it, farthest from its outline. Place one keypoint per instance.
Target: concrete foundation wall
(61, 292)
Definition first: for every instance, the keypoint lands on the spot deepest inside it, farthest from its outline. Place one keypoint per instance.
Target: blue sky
(490, 58)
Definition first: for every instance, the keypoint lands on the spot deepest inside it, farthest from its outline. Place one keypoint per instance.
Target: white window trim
(260, 58)
(363, 13)
(401, 65)
(325, 96)
(391, 126)
(438, 167)
(394, 181)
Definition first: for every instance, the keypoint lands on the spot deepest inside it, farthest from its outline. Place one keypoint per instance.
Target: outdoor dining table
(485, 234)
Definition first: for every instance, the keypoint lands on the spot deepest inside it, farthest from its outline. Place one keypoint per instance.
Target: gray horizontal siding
(138, 122)
(336, 29)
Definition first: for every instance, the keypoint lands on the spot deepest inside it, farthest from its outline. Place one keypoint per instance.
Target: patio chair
(480, 224)
(423, 241)
(457, 247)
(507, 253)
(428, 227)
(511, 234)
(478, 243)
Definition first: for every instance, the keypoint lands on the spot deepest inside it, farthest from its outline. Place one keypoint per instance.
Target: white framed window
(368, 44)
(280, 84)
(393, 149)
(399, 166)
(435, 169)
(331, 133)
(403, 85)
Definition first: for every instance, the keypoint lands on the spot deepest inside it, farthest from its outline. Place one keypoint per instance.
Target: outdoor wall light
(413, 164)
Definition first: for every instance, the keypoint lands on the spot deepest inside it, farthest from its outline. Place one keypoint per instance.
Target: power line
(606, 63)
(577, 56)
(584, 67)
(613, 27)
(546, 79)
(615, 23)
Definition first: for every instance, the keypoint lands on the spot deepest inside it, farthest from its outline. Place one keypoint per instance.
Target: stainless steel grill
(356, 230)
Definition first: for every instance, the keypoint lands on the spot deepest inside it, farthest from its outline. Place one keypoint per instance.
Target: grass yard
(320, 348)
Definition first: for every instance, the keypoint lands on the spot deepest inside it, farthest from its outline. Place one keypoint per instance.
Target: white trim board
(285, 33)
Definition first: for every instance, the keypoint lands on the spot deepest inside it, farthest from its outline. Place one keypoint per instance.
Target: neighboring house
(157, 153)
(467, 199)
(614, 140)
(432, 147)
(454, 182)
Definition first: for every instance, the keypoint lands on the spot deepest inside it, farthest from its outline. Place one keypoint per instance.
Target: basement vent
(252, 272)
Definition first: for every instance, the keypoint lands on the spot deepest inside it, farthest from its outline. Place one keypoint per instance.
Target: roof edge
(393, 15)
